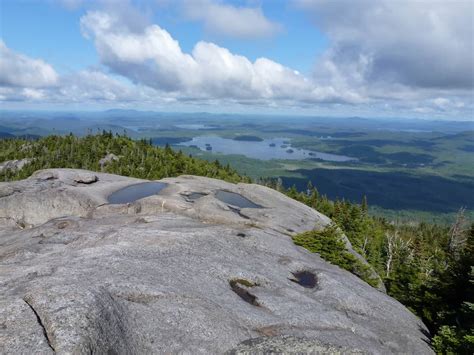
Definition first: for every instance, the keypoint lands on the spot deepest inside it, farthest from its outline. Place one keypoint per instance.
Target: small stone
(86, 178)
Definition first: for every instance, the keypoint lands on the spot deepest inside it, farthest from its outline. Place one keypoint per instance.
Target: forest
(134, 158)
(427, 267)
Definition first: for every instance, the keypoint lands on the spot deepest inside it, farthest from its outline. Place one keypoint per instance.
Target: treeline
(427, 267)
(130, 158)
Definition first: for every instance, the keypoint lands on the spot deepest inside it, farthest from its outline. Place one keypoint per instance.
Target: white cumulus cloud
(397, 57)
(18, 70)
(94, 85)
(229, 20)
(155, 59)
(26, 79)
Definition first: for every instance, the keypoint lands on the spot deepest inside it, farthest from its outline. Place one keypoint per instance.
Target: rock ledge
(79, 275)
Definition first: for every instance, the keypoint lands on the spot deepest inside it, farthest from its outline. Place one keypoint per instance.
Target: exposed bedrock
(178, 272)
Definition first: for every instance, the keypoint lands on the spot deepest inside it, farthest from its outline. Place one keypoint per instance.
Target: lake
(274, 148)
(194, 126)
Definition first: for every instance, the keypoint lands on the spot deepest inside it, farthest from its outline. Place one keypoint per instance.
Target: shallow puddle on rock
(135, 192)
(235, 199)
(305, 278)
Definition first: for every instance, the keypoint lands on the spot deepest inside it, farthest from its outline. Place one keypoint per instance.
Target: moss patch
(328, 243)
(243, 282)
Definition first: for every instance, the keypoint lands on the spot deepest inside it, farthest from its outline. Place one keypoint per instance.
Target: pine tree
(364, 205)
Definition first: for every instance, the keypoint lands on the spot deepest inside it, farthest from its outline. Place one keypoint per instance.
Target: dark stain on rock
(305, 278)
(238, 211)
(240, 287)
(269, 331)
(141, 220)
(284, 260)
(63, 225)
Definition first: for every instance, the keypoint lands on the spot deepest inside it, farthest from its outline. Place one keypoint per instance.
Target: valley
(403, 167)
(61, 178)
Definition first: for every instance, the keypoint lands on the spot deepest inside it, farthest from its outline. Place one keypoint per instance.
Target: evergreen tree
(364, 205)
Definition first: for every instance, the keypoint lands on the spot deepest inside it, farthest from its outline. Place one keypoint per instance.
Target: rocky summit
(192, 265)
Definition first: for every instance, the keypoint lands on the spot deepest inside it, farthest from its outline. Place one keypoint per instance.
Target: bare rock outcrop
(14, 164)
(178, 272)
(107, 160)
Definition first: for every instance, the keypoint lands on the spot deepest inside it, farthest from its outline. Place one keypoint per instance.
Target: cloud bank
(155, 59)
(18, 70)
(383, 56)
(26, 79)
(417, 44)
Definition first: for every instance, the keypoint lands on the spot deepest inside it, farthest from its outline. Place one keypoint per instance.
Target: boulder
(14, 164)
(85, 178)
(179, 273)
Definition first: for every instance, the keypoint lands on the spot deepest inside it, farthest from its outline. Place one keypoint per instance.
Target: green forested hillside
(135, 158)
(427, 267)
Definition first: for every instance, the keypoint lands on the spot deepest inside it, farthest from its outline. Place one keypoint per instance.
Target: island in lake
(247, 138)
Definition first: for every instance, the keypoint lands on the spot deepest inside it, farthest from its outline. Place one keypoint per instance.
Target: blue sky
(371, 58)
(45, 30)
(62, 44)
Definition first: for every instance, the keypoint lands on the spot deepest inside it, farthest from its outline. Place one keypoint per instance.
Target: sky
(373, 58)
